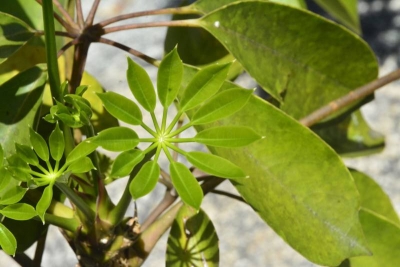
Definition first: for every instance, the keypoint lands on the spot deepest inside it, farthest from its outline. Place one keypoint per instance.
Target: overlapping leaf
(145, 181)
(227, 136)
(19, 211)
(116, 139)
(125, 162)
(8, 242)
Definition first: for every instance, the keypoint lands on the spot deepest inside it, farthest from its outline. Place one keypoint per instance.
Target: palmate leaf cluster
(200, 97)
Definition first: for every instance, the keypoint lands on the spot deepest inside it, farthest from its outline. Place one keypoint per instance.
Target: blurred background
(245, 240)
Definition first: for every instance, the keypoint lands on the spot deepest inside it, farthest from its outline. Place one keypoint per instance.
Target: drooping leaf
(141, 86)
(221, 105)
(343, 10)
(186, 185)
(44, 202)
(117, 139)
(145, 181)
(289, 69)
(19, 212)
(203, 86)
(283, 167)
(121, 108)
(215, 165)
(7, 240)
(39, 145)
(125, 162)
(227, 136)
(81, 166)
(83, 149)
(57, 143)
(12, 195)
(14, 33)
(169, 78)
(192, 240)
(26, 154)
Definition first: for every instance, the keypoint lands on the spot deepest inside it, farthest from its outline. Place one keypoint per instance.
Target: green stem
(177, 149)
(174, 121)
(166, 151)
(42, 169)
(179, 130)
(155, 122)
(49, 167)
(164, 119)
(67, 224)
(38, 174)
(180, 140)
(148, 129)
(148, 140)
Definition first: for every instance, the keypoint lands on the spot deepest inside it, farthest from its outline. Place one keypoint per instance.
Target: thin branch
(40, 245)
(79, 14)
(174, 23)
(131, 51)
(65, 13)
(173, 11)
(58, 33)
(67, 26)
(179, 125)
(67, 46)
(348, 99)
(23, 259)
(227, 194)
(92, 13)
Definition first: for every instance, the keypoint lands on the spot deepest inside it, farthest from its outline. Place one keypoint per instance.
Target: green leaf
(215, 165)
(186, 185)
(39, 145)
(1, 156)
(141, 86)
(81, 166)
(293, 69)
(14, 33)
(83, 149)
(12, 195)
(343, 10)
(8, 242)
(121, 108)
(192, 240)
(145, 181)
(19, 212)
(117, 139)
(125, 162)
(221, 105)
(20, 173)
(169, 78)
(44, 202)
(203, 85)
(5, 178)
(227, 136)
(26, 154)
(57, 144)
(284, 166)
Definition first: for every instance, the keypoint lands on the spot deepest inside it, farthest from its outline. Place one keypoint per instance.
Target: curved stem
(92, 13)
(227, 194)
(348, 99)
(174, 23)
(66, 15)
(131, 51)
(67, 46)
(172, 10)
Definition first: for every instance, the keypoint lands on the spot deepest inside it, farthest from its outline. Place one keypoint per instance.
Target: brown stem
(58, 33)
(78, 67)
(67, 26)
(174, 11)
(174, 23)
(40, 245)
(79, 14)
(348, 99)
(131, 51)
(227, 194)
(67, 46)
(92, 13)
(66, 15)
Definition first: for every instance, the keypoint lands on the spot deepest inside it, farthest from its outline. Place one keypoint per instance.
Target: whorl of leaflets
(202, 99)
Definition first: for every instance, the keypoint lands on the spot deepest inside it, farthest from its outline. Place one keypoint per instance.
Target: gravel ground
(261, 246)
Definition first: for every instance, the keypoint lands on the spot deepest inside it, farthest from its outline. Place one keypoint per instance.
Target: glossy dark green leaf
(5, 179)
(227, 136)
(81, 166)
(19, 212)
(141, 86)
(83, 149)
(125, 162)
(12, 195)
(203, 86)
(145, 181)
(343, 10)
(282, 169)
(14, 33)
(215, 165)
(169, 78)
(186, 185)
(57, 143)
(221, 105)
(121, 108)
(285, 65)
(39, 145)
(352, 136)
(8, 242)
(192, 240)
(44, 202)
(117, 139)
(26, 154)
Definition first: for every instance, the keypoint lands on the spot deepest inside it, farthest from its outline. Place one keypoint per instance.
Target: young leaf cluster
(201, 96)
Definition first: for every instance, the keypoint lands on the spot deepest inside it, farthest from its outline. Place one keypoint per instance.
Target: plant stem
(181, 140)
(180, 129)
(68, 27)
(155, 122)
(227, 194)
(148, 129)
(80, 56)
(58, 33)
(173, 11)
(67, 46)
(174, 23)
(23, 260)
(92, 13)
(131, 51)
(174, 121)
(79, 14)
(66, 15)
(348, 99)
(67, 224)
(40, 245)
